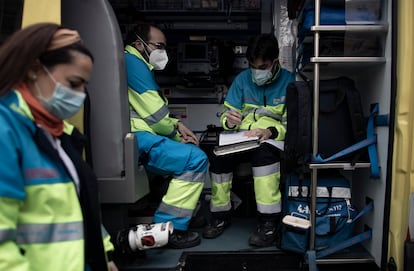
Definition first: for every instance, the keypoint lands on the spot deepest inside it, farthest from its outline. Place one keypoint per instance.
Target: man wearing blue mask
(166, 146)
(255, 103)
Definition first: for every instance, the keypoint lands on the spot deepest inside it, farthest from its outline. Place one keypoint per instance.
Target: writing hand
(262, 134)
(233, 118)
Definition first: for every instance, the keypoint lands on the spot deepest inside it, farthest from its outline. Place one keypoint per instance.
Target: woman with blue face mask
(49, 208)
(255, 103)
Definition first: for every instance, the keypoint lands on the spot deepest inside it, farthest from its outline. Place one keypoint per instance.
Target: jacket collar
(132, 50)
(17, 106)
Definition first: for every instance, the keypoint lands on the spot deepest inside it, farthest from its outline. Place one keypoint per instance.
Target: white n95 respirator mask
(158, 59)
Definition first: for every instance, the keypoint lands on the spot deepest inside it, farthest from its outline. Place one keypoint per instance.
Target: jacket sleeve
(233, 101)
(145, 99)
(109, 247)
(12, 194)
(223, 118)
(154, 111)
(11, 258)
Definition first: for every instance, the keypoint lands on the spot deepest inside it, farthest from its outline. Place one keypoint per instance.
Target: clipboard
(233, 142)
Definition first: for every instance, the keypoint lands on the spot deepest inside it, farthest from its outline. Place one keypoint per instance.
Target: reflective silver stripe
(48, 233)
(221, 178)
(175, 211)
(322, 192)
(104, 231)
(263, 112)
(6, 235)
(269, 209)
(266, 170)
(284, 122)
(196, 177)
(222, 208)
(173, 133)
(153, 119)
(157, 116)
(133, 114)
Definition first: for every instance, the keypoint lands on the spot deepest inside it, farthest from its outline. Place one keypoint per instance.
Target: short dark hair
(140, 29)
(264, 46)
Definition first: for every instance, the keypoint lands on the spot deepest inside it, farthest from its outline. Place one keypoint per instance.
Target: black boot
(184, 239)
(266, 233)
(218, 222)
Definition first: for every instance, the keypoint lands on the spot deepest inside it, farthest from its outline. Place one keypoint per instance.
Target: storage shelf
(345, 59)
(345, 166)
(351, 28)
(345, 261)
(351, 255)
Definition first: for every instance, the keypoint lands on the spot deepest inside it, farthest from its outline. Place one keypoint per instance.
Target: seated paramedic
(255, 103)
(49, 207)
(166, 145)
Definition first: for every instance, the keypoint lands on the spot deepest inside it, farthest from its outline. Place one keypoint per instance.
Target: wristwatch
(274, 132)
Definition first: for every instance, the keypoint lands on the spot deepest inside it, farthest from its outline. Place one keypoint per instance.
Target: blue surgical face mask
(65, 102)
(260, 77)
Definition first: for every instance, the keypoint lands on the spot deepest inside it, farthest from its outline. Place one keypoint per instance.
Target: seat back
(113, 150)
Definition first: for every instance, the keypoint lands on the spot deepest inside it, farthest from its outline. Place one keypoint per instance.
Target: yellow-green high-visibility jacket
(260, 106)
(149, 110)
(47, 222)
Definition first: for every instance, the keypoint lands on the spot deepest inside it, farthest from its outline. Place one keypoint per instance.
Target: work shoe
(184, 239)
(265, 235)
(215, 228)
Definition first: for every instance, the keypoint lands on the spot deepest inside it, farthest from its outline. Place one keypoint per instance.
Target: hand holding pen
(233, 118)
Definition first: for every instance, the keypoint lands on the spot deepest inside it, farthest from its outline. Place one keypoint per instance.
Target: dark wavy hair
(27, 48)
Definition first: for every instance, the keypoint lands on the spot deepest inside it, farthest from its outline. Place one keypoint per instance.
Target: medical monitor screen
(195, 52)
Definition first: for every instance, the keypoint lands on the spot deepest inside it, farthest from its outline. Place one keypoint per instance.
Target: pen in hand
(233, 118)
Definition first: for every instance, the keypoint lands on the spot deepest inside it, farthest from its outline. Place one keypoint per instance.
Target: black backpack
(341, 121)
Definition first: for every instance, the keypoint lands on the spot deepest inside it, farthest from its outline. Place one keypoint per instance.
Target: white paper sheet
(227, 138)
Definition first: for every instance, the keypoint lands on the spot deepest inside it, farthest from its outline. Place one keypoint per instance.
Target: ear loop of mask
(39, 92)
(146, 45)
(278, 66)
(48, 73)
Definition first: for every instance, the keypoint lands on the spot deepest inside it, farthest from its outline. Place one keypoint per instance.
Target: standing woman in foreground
(49, 208)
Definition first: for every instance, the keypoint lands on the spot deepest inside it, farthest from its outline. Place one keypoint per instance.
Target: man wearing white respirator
(162, 139)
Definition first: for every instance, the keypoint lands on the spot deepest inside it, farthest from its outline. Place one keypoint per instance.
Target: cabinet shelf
(346, 59)
(355, 255)
(345, 166)
(351, 28)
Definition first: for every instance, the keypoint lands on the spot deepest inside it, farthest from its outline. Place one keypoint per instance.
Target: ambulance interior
(206, 45)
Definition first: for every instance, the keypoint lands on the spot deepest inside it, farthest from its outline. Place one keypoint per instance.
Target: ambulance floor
(233, 240)
(231, 251)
